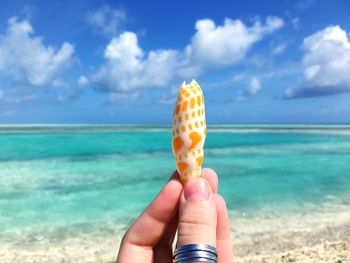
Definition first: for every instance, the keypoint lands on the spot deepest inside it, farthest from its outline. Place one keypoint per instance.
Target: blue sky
(123, 61)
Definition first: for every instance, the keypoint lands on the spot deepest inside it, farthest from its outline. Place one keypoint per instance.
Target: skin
(151, 236)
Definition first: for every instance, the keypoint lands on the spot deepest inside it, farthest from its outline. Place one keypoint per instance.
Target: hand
(195, 209)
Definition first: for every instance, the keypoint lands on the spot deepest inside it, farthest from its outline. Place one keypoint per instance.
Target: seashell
(189, 131)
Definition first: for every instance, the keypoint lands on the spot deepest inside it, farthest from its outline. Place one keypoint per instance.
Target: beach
(68, 193)
(275, 239)
(319, 236)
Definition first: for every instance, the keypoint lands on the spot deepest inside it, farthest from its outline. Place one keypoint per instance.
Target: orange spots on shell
(205, 131)
(195, 138)
(199, 112)
(202, 99)
(193, 114)
(193, 153)
(174, 122)
(179, 119)
(182, 166)
(196, 124)
(187, 94)
(186, 117)
(192, 103)
(177, 131)
(183, 128)
(202, 123)
(177, 109)
(178, 143)
(199, 101)
(184, 105)
(200, 160)
(190, 126)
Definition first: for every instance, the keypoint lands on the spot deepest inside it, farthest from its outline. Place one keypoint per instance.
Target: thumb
(197, 214)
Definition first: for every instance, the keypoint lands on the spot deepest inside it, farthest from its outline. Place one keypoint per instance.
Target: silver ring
(195, 252)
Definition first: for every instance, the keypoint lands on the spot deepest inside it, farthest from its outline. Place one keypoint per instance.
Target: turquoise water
(64, 181)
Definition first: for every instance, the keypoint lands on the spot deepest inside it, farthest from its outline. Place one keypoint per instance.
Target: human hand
(195, 210)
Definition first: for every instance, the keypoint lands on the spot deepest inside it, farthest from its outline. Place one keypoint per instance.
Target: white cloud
(83, 81)
(296, 22)
(9, 113)
(122, 97)
(326, 64)
(25, 59)
(224, 45)
(302, 5)
(106, 20)
(280, 48)
(128, 69)
(253, 88)
(170, 97)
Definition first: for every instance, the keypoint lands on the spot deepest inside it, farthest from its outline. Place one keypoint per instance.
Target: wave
(82, 128)
(331, 129)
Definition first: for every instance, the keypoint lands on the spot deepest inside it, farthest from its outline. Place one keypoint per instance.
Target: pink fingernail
(196, 190)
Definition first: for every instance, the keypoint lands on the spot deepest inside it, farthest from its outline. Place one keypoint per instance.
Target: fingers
(163, 249)
(203, 216)
(211, 177)
(197, 214)
(223, 237)
(156, 216)
(148, 229)
(160, 217)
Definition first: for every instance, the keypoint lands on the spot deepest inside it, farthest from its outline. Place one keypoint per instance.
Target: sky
(123, 61)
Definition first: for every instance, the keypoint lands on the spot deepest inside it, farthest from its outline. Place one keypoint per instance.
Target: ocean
(81, 186)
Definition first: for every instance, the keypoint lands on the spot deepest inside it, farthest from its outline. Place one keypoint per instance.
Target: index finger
(156, 216)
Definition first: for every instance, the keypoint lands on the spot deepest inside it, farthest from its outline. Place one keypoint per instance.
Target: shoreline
(322, 250)
(338, 252)
(327, 243)
(318, 236)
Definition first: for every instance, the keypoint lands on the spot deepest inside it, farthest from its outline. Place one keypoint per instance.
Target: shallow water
(58, 182)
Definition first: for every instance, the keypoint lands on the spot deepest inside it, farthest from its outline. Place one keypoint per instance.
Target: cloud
(106, 20)
(9, 113)
(170, 97)
(83, 81)
(280, 48)
(296, 22)
(253, 88)
(25, 59)
(326, 64)
(123, 97)
(128, 68)
(224, 45)
(302, 5)
(26, 63)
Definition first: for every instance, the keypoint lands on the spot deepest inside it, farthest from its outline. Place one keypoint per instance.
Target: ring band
(195, 252)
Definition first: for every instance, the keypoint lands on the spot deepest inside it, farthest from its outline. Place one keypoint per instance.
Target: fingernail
(196, 190)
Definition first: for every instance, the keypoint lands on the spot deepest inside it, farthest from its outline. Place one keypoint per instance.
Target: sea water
(61, 182)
